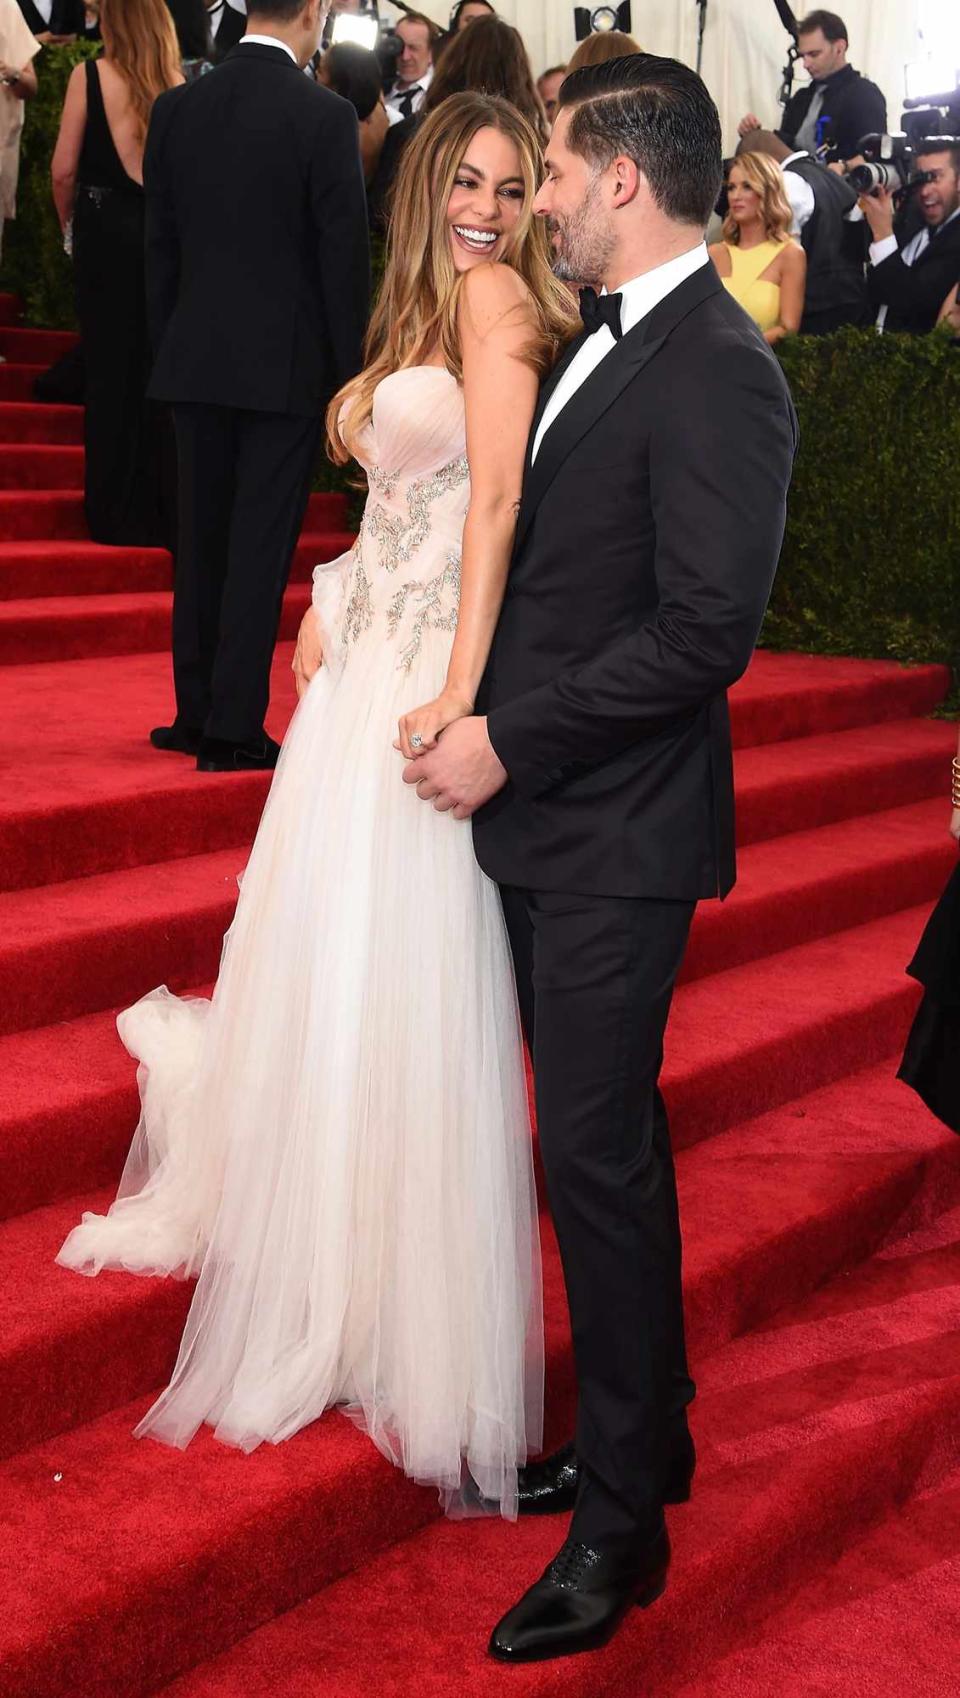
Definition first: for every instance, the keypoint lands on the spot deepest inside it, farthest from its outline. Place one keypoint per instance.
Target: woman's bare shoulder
(489, 291)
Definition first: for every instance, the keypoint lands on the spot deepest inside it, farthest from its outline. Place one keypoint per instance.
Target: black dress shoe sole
(646, 1595)
(208, 765)
(179, 746)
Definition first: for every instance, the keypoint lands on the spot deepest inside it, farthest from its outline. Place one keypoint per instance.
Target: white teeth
(486, 238)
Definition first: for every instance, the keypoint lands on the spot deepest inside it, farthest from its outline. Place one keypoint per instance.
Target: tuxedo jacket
(67, 17)
(834, 247)
(258, 265)
(648, 536)
(853, 106)
(914, 294)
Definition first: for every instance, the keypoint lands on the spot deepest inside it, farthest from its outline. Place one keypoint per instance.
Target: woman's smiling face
(486, 200)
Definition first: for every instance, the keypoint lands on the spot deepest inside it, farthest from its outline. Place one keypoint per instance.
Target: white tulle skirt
(339, 1142)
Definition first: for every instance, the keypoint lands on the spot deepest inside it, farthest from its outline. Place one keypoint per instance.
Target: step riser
(771, 1073)
(17, 381)
(94, 1369)
(41, 424)
(729, 934)
(69, 573)
(71, 840)
(40, 467)
(807, 802)
(25, 518)
(36, 346)
(80, 636)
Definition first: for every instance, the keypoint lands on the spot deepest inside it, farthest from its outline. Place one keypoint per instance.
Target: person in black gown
(98, 187)
(931, 1060)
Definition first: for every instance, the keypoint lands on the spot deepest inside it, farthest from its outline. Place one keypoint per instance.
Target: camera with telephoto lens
(889, 159)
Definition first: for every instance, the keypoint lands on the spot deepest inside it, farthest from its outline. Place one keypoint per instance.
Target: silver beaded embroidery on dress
(401, 580)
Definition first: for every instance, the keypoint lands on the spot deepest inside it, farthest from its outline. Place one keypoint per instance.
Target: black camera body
(890, 159)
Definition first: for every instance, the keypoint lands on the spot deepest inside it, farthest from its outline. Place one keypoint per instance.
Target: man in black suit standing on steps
(650, 524)
(258, 281)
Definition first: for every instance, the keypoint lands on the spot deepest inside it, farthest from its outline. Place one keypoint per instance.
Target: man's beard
(585, 244)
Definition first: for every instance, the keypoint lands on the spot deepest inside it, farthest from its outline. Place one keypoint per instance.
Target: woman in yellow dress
(760, 264)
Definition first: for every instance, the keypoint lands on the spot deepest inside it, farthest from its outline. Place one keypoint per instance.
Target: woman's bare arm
(793, 287)
(497, 325)
(66, 154)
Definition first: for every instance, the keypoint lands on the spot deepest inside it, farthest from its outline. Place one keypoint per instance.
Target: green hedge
(871, 558)
(35, 266)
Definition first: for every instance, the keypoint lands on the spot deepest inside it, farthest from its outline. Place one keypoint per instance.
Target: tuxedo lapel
(599, 391)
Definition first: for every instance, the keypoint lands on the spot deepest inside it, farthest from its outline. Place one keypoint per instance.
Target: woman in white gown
(338, 1142)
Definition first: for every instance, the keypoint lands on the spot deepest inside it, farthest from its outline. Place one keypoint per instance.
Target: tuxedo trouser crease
(244, 483)
(595, 980)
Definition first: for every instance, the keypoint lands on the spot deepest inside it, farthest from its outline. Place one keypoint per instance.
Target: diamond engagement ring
(416, 741)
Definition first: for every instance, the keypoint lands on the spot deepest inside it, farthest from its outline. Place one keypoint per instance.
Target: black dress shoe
(549, 1487)
(217, 755)
(581, 1599)
(181, 739)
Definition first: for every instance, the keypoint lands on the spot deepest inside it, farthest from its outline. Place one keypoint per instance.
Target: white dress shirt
(267, 41)
(917, 245)
(398, 92)
(639, 297)
(799, 193)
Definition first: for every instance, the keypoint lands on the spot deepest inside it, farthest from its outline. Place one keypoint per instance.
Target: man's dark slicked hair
(658, 113)
(833, 26)
(284, 11)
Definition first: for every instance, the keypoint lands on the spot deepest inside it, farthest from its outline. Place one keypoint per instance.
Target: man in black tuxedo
(258, 289)
(913, 271)
(52, 20)
(647, 539)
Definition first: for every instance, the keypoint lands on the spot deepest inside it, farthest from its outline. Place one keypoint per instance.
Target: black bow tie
(600, 309)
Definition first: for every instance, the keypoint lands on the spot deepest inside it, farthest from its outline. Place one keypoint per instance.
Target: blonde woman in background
(758, 262)
(18, 83)
(97, 172)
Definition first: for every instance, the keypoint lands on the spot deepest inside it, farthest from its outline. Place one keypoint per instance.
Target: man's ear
(626, 179)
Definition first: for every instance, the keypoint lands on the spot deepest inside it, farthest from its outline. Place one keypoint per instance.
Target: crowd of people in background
(796, 244)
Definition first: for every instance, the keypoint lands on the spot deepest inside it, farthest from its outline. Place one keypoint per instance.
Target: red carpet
(821, 1207)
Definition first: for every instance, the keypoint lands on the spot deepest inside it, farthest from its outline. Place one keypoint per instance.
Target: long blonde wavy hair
(416, 310)
(140, 40)
(766, 179)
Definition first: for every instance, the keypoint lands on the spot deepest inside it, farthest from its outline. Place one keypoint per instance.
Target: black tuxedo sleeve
(915, 291)
(720, 461)
(339, 206)
(162, 237)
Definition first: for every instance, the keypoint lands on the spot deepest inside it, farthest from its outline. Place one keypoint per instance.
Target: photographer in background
(415, 64)
(839, 105)
(909, 279)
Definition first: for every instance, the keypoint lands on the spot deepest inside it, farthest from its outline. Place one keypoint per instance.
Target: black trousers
(595, 979)
(244, 482)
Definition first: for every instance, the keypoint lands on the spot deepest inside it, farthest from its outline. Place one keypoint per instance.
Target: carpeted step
(816, 781)
(36, 347)
(809, 883)
(40, 465)
(805, 695)
(739, 1042)
(35, 569)
(95, 795)
(790, 1422)
(74, 627)
(31, 421)
(17, 381)
(893, 1595)
(65, 1354)
(112, 1587)
(44, 515)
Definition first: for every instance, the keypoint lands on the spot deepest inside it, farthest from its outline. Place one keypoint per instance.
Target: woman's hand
(428, 721)
(308, 654)
(955, 824)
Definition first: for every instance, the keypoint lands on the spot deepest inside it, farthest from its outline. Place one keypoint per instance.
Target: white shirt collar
(798, 153)
(267, 41)
(422, 83)
(641, 294)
